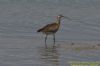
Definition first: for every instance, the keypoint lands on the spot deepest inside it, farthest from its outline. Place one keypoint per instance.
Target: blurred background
(21, 45)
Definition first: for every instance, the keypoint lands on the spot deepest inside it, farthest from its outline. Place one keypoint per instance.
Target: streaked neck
(58, 20)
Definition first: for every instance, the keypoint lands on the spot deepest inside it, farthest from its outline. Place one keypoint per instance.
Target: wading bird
(52, 28)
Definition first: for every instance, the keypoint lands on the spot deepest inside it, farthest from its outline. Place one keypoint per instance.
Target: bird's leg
(54, 39)
(45, 40)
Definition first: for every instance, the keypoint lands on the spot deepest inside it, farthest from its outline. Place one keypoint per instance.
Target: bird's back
(50, 28)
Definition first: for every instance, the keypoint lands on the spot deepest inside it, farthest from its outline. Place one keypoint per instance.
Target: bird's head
(60, 16)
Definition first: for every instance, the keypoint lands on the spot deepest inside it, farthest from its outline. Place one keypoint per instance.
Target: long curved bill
(67, 18)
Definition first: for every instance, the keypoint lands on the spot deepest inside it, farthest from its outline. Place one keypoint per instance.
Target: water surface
(21, 45)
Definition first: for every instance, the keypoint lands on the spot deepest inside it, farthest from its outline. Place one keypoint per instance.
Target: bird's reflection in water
(50, 55)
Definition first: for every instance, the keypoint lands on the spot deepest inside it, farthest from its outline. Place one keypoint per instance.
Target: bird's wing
(50, 27)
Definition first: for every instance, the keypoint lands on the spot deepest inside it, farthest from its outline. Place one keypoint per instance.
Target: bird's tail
(39, 30)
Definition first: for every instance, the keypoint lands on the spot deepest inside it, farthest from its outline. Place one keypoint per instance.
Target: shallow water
(21, 45)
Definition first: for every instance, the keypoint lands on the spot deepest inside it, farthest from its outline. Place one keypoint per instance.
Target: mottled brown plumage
(49, 29)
